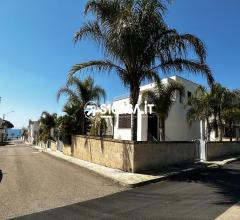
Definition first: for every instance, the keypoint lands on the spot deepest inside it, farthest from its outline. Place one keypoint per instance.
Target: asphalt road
(201, 196)
(33, 181)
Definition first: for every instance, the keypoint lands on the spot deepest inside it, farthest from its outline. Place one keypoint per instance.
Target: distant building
(33, 131)
(1, 131)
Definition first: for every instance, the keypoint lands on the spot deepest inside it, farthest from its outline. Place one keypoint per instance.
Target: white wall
(33, 130)
(121, 134)
(177, 127)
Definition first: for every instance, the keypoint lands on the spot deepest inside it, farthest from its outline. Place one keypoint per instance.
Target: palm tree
(138, 43)
(48, 123)
(79, 94)
(162, 97)
(217, 99)
(231, 110)
(200, 108)
(98, 126)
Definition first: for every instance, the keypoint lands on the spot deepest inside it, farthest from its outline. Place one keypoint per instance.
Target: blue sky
(36, 49)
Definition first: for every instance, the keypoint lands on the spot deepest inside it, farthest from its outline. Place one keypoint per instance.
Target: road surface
(203, 196)
(33, 181)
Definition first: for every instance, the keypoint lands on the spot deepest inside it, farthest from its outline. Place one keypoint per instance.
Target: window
(189, 94)
(124, 121)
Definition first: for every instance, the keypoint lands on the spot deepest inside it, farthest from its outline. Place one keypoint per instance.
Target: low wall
(151, 155)
(42, 144)
(222, 149)
(107, 152)
(67, 150)
(132, 156)
(53, 145)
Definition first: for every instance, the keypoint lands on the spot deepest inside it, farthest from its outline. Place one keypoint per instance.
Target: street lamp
(6, 114)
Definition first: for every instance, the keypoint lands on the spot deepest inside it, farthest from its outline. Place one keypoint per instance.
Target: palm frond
(179, 65)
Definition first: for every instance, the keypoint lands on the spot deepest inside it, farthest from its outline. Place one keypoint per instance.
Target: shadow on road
(225, 181)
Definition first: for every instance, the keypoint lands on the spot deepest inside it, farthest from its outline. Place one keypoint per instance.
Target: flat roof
(125, 96)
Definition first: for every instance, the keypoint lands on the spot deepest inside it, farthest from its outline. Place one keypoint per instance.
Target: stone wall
(132, 156)
(221, 149)
(152, 155)
(67, 150)
(53, 145)
(107, 152)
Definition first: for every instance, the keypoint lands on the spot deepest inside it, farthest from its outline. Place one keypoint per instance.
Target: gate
(60, 146)
(201, 150)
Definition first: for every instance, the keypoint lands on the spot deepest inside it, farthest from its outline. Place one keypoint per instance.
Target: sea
(14, 133)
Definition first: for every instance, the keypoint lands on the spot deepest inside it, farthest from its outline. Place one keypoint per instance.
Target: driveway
(33, 181)
(203, 196)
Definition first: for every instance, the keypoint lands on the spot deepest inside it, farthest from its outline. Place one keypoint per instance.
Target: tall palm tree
(79, 94)
(200, 108)
(138, 43)
(162, 96)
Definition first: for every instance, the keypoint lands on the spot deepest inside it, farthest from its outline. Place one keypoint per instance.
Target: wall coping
(133, 142)
(164, 142)
(105, 139)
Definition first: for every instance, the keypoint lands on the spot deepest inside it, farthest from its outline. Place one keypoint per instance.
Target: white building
(1, 131)
(33, 130)
(177, 127)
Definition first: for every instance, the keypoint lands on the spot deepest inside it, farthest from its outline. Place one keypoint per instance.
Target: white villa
(33, 129)
(177, 127)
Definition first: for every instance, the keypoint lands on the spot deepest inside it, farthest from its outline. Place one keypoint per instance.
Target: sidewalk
(136, 179)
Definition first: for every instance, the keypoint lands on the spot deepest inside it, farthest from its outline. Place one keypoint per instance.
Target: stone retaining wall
(152, 155)
(221, 149)
(67, 150)
(53, 145)
(107, 152)
(132, 156)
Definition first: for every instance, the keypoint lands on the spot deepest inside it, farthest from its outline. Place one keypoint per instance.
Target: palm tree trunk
(159, 129)
(221, 129)
(163, 129)
(134, 126)
(231, 131)
(215, 126)
(208, 130)
(134, 94)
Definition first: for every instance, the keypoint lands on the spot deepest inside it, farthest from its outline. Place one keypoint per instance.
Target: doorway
(152, 127)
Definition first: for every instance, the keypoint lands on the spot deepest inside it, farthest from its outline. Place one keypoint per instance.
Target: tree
(138, 43)
(219, 107)
(231, 111)
(79, 94)
(8, 124)
(217, 101)
(162, 96)
(98, 126)
(70, 123)
(48, 123)
(200, 108)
